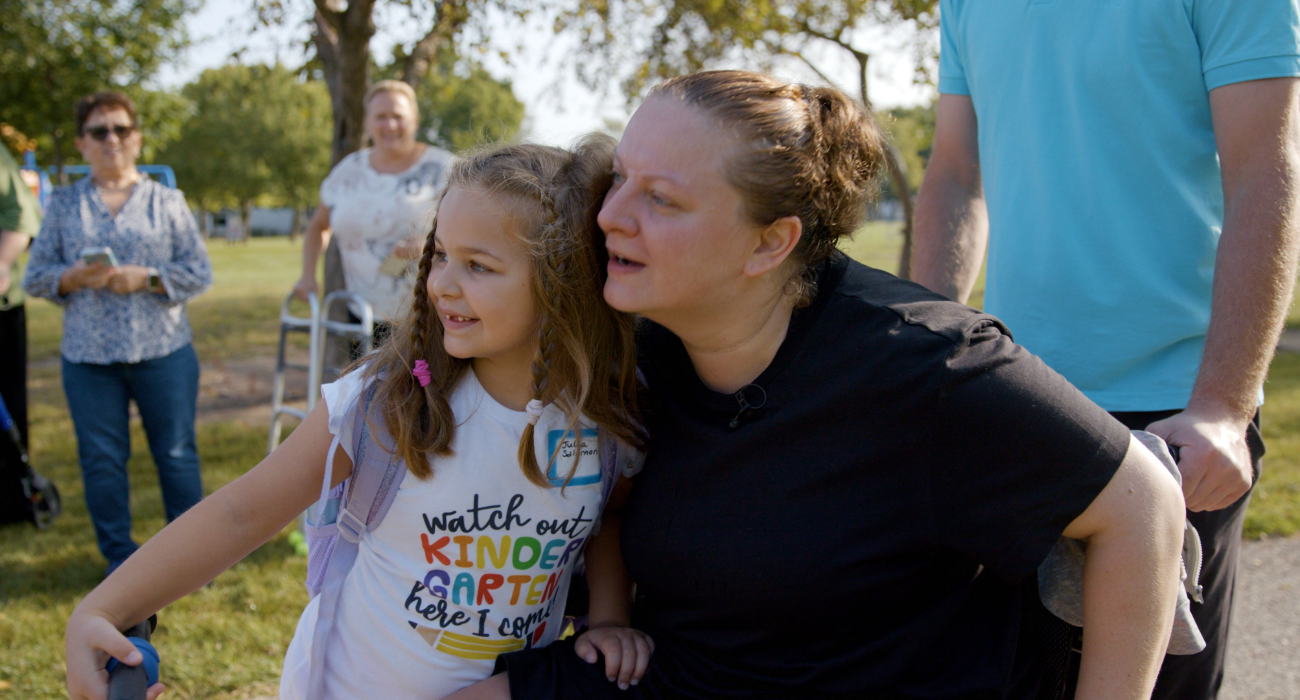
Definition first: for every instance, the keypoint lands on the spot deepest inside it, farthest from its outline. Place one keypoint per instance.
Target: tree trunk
(343, 44)
(56, 136)
(245, 218)
(56, 133)
(449, 17)
(203, 222)
(297, 221)
(898, 175)
(894, 167)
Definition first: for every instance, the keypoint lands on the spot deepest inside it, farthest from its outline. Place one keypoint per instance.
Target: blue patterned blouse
(154, 229)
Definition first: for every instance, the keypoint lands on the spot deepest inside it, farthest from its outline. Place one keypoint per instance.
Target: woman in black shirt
(851, 480)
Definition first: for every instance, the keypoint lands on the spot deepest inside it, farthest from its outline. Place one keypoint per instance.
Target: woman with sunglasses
(122, 254)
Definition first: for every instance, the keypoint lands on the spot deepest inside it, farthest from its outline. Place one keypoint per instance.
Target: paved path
(1290, 341)
(1264, 643)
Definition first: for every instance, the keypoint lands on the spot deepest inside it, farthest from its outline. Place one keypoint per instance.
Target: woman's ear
(775, 244)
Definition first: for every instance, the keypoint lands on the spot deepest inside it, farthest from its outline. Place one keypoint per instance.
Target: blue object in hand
(150, 663)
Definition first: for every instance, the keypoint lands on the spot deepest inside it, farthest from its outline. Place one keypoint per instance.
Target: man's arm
(12, 244)
(1257, 130)
(952, 223)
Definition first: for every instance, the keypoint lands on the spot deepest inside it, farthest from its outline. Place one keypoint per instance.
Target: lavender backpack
(334, 525)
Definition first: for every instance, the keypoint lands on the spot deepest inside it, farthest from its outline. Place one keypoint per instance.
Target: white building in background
(261, 222)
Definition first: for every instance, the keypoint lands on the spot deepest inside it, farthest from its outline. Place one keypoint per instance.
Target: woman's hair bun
(807, 151)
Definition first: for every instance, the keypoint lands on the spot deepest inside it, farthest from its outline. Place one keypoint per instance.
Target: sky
(558, 107)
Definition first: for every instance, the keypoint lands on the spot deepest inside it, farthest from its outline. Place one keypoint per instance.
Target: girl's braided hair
(810, 152)
(586, 352)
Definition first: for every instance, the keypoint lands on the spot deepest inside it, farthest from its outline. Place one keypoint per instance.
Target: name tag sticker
(588, 471)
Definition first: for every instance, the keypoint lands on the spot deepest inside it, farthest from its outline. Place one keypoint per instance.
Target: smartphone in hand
(102, 255)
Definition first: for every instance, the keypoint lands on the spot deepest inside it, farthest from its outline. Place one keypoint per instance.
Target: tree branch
(325, 36)
(862, 57)
(327, 15)
(799, 55)
(805, 28)
(449, 17)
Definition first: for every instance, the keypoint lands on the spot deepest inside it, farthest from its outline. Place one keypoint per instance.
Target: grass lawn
(227, 641)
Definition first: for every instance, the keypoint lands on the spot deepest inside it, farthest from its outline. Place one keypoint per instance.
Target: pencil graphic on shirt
(469, 647)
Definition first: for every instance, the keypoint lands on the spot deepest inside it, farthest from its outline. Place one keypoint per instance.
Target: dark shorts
(556, 671)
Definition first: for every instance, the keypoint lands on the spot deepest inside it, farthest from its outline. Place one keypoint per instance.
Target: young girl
(509, 352)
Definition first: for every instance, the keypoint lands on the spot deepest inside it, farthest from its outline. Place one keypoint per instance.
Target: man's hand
(1214, 459)
(627, 651)
(4, 280)
(128, 278)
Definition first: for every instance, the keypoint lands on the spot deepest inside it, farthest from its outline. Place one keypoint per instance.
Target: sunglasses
(100, 133)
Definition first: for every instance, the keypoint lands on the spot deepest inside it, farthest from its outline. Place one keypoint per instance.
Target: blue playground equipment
(162, 173)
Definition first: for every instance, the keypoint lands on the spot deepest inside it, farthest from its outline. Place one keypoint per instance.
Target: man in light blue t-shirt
(1134, 169)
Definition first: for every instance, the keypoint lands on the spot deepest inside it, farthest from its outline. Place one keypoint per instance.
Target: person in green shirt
(20, 219)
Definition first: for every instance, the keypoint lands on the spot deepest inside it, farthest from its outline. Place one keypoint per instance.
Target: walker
(319, 327)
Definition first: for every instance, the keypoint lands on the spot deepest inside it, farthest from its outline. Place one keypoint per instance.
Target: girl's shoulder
(342, 399)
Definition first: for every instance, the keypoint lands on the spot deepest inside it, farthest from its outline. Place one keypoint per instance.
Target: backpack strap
(377, 473)
(609, 467)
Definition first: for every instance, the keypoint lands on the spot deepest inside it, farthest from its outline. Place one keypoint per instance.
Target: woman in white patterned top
(379, 203)
(125, 333)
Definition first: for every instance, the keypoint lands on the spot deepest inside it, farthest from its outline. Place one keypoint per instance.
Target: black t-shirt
(867, 530)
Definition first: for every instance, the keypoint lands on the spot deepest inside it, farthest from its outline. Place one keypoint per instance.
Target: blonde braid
(556, 268)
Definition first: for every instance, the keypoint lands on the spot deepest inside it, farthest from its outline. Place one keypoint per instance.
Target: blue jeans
(166, 391)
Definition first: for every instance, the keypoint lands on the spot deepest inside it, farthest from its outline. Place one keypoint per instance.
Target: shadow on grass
(65, 559)
(72, 571)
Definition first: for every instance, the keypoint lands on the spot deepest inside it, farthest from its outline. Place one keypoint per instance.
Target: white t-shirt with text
(469, 564)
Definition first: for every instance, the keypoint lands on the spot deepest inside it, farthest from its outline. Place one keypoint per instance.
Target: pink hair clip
(421, 373)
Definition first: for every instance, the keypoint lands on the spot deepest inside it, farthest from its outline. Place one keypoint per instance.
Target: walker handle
(132, 682)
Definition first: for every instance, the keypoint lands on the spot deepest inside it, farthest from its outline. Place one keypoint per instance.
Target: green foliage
(1275, 503)
(467, 111)
(690, 35)
(258, 133)
(162, 115)
(220, 642)
(54, 52)
(911, 129)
